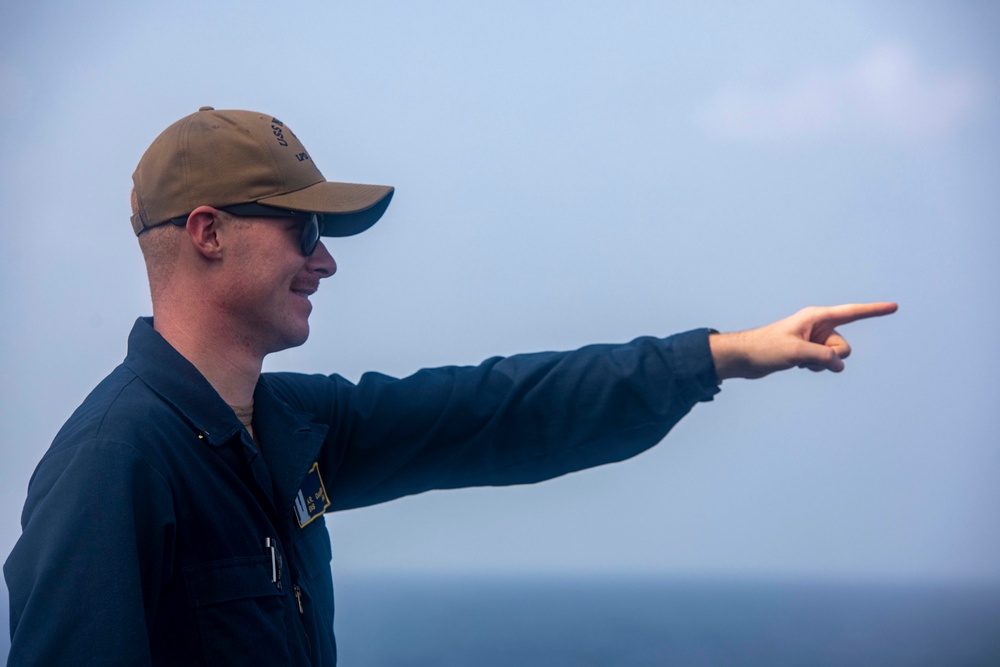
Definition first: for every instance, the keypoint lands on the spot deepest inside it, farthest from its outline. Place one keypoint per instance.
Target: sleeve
(514, 420)
(97, 525)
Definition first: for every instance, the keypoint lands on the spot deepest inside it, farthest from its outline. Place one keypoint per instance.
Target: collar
(176, 380)
(292, 442)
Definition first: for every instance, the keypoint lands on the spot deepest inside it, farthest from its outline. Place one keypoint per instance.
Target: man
(177, 518)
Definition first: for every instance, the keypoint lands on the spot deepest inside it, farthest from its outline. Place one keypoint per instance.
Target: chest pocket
(239, 610)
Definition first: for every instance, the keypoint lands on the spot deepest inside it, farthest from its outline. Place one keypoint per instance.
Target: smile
(304, 290)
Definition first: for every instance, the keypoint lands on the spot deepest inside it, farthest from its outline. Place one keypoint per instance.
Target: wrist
(728, 354)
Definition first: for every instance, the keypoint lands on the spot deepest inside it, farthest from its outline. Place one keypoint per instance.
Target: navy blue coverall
(157, 532)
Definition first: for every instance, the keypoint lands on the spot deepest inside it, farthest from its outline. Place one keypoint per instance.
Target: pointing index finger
(851, 312)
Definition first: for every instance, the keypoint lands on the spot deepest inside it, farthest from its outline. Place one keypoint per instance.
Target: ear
(203, 230)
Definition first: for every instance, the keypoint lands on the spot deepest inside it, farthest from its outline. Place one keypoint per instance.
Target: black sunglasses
(312, 222)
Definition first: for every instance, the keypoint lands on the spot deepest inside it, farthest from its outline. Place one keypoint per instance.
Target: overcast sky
(569, 173)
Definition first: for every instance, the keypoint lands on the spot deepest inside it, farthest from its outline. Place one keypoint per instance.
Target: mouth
(304, 291)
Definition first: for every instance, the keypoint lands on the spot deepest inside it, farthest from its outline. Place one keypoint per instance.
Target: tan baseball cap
(224, 158)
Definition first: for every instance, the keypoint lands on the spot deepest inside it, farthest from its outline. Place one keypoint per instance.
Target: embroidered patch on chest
(312, 500)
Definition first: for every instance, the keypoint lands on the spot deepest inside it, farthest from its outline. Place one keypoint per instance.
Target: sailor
(177, 518)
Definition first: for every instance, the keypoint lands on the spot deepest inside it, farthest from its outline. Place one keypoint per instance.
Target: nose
(322, 262)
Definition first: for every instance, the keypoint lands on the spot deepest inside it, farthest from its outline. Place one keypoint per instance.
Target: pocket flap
(227, 580)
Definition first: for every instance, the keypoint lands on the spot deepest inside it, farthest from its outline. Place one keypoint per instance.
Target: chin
(295, 341)
(291, 338)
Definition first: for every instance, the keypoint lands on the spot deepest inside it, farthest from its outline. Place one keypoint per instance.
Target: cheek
(244, 284)
(258, 267)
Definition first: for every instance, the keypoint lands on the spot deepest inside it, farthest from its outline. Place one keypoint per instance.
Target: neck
(229, 364)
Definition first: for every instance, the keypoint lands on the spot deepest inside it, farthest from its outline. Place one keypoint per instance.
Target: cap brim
(348, 208)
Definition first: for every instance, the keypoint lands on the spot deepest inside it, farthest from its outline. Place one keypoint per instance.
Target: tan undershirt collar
(245, 414)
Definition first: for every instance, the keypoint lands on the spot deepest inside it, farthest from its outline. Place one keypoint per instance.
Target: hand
(807, 339)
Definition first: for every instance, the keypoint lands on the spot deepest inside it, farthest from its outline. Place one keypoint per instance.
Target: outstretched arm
(807, 339)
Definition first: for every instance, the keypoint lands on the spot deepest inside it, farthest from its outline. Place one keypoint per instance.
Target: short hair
(160, 247)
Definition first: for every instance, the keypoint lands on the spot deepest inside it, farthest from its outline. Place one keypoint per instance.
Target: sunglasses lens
(310, 235)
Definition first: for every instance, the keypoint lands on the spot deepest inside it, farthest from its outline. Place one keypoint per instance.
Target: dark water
(464, 621)
(560, 622)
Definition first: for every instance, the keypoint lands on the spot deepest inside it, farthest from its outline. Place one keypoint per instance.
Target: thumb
(818, 357)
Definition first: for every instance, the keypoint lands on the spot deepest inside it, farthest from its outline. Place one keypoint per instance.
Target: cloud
(885, 93)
